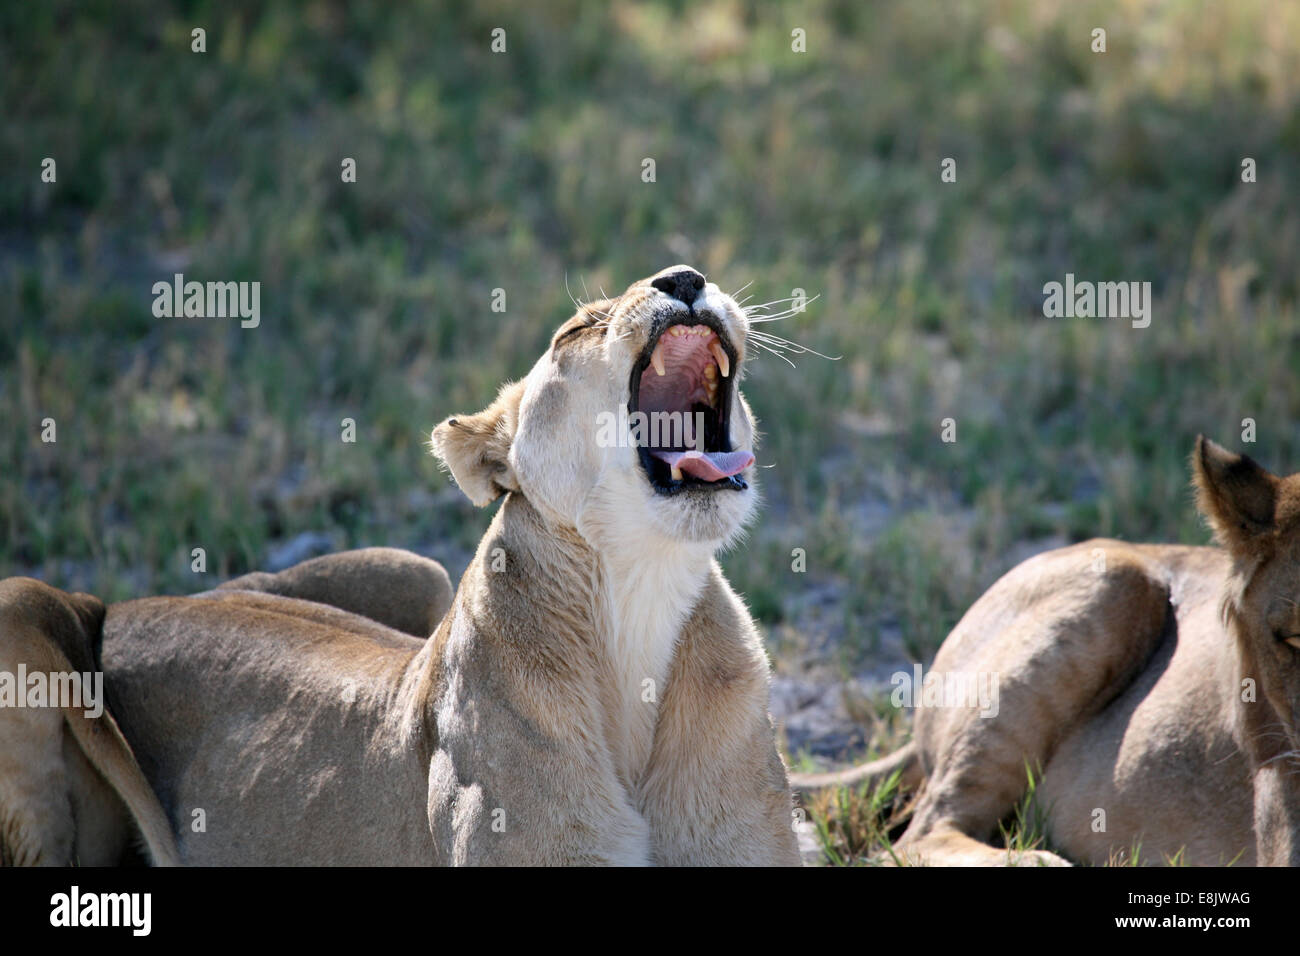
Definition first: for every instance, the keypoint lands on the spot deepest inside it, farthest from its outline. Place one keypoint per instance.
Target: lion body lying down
(1153, 689)
(70, 788)
(1119, 690)
(398, 589)
(333, 755)
(274, 717)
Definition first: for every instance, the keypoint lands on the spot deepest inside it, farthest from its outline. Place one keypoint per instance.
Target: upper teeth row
(715, 347)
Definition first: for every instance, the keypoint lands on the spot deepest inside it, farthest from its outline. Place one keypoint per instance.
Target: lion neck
(627, 600)
(1263, 737)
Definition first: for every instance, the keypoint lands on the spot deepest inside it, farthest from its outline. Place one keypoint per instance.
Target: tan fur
(402, 590)
(1123, 682)
(599, 699)
(70, 789)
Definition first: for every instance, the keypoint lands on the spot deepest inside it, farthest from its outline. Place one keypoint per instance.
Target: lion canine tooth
(657, 358)
(719, 353)
(677, 474)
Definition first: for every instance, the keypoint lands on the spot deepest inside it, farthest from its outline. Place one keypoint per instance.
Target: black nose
(684, 284)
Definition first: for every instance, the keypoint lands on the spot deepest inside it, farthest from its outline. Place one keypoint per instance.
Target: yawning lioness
(597, 693)
(1157, 687)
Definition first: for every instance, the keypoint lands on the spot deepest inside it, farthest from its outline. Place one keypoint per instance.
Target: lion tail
(906, 761)
(102, 742)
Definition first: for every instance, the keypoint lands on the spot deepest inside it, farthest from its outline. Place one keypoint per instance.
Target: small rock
(309, 544)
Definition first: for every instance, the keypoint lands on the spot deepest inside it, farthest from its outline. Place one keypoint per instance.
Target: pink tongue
(707, 465)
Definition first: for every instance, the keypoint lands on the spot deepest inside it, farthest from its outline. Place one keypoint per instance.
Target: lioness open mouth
(683, 383)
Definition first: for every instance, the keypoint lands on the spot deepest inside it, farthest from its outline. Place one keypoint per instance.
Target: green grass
(477, 171)
(1026, 829)
(857, 826)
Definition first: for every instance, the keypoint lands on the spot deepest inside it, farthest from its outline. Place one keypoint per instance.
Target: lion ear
(1237, 495)
(476, 448)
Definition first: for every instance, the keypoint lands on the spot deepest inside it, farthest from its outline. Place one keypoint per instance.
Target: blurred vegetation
(522, 170)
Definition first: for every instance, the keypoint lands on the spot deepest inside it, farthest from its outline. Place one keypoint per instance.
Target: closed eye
(569, 333)
(1292, 639)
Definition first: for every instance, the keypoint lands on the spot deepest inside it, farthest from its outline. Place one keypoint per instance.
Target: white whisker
(777, 317)
(789, 298)
(768, 348)
(785, 345)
